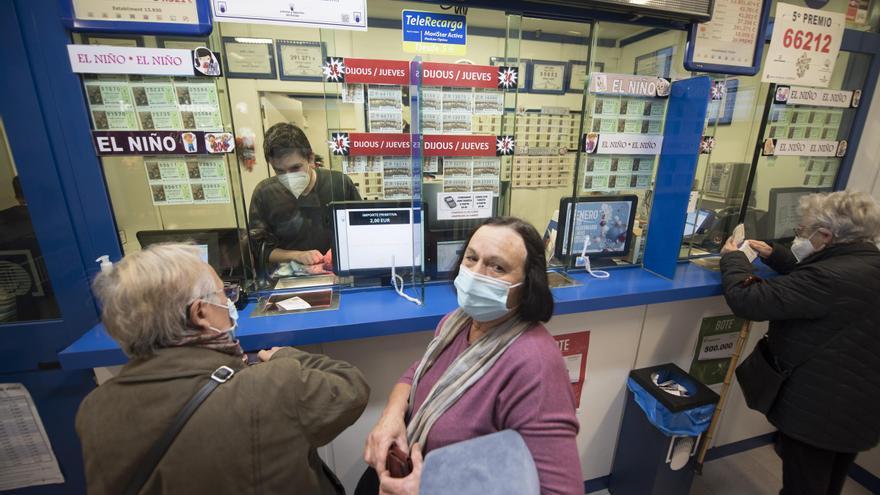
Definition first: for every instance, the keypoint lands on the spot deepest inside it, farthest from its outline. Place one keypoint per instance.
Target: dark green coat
(257, 433)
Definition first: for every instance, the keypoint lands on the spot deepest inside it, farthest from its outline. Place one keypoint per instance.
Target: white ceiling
(390, 9)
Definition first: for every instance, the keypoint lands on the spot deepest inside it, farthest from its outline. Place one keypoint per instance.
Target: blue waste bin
(666, 413)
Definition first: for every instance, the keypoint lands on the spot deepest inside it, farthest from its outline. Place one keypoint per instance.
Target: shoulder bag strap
(151, 460)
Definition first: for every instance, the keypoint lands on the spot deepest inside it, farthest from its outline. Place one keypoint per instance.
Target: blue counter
(377, 312)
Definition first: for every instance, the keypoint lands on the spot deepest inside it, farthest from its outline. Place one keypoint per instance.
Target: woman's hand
(390, 429)
(763, 249)
(266, 354)
(404, 486)
(729, 246)
(312, 257)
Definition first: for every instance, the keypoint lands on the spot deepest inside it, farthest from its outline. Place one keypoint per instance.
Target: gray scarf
(465, 370)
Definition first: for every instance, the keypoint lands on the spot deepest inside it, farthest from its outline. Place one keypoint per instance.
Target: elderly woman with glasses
(256, 432)
(824, 313)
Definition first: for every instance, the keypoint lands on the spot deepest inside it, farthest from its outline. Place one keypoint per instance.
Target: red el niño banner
(459, 75)
(437, 145)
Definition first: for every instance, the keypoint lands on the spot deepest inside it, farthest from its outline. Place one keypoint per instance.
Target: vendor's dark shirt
(280, 220)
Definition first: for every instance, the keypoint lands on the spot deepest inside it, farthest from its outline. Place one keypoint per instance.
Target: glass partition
(733, 122)
(318, 156)
(159, 197)
(25, 289)
(723, 196)
(802, 147)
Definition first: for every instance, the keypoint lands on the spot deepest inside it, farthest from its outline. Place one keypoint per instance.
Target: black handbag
(760, 378)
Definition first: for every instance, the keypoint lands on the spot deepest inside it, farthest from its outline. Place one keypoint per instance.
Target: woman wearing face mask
(259, 430)
(508, 373)
(824, 313)
(289, 214)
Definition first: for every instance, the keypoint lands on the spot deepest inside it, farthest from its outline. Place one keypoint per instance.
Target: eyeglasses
(232, 291)
(799, 230)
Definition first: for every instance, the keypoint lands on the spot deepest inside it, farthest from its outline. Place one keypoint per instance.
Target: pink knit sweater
(527, 390)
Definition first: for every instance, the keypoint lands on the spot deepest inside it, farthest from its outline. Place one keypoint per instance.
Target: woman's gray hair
(851, 216)
(144, 297)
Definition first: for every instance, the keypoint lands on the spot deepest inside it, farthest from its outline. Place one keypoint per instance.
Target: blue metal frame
(248, 75)
(682, 132)
(280, 43)
(690, 65)
(202, 28)
(565, 76)
(67, 123)
(69, 126)
(29, 345)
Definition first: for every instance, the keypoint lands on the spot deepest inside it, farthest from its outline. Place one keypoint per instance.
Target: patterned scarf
(217, 341)
(465, 370)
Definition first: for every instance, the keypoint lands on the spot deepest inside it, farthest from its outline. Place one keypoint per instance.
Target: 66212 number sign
(806, 40)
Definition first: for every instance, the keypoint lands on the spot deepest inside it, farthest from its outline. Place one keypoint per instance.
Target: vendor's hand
(328, 261)
(729, 246)
(404, 486)
(387, 431)
(763, 249)
(311, 257)
(315, 269)
(266, 354)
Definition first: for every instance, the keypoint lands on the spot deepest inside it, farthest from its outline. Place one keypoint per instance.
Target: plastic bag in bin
(690, 422)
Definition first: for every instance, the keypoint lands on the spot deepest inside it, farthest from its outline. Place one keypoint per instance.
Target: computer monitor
(782, 209)
(696, 222)
(220, 248)
(369, 235)
(448, 253)
(604, 223)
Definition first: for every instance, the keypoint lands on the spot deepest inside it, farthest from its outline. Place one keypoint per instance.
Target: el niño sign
(103, 59)
(108, 143)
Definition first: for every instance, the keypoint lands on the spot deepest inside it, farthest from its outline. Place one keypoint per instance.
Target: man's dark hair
(284, 138)
(536, 303)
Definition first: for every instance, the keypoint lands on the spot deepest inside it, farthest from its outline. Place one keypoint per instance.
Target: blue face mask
(480, 297)
(233, 316)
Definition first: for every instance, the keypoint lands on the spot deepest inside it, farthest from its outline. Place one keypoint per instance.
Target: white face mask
(480, 297)
(295, 182)
(802, 247)
(233, 316)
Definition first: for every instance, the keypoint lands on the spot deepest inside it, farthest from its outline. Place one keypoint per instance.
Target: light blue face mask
(480, 297)
(233, 316)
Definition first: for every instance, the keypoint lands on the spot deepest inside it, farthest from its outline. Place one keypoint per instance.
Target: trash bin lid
(696, 394)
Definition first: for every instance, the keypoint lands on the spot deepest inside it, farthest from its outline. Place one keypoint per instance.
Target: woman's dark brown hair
(536, 303)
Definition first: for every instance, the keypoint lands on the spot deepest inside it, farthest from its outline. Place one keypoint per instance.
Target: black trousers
(808, 470)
